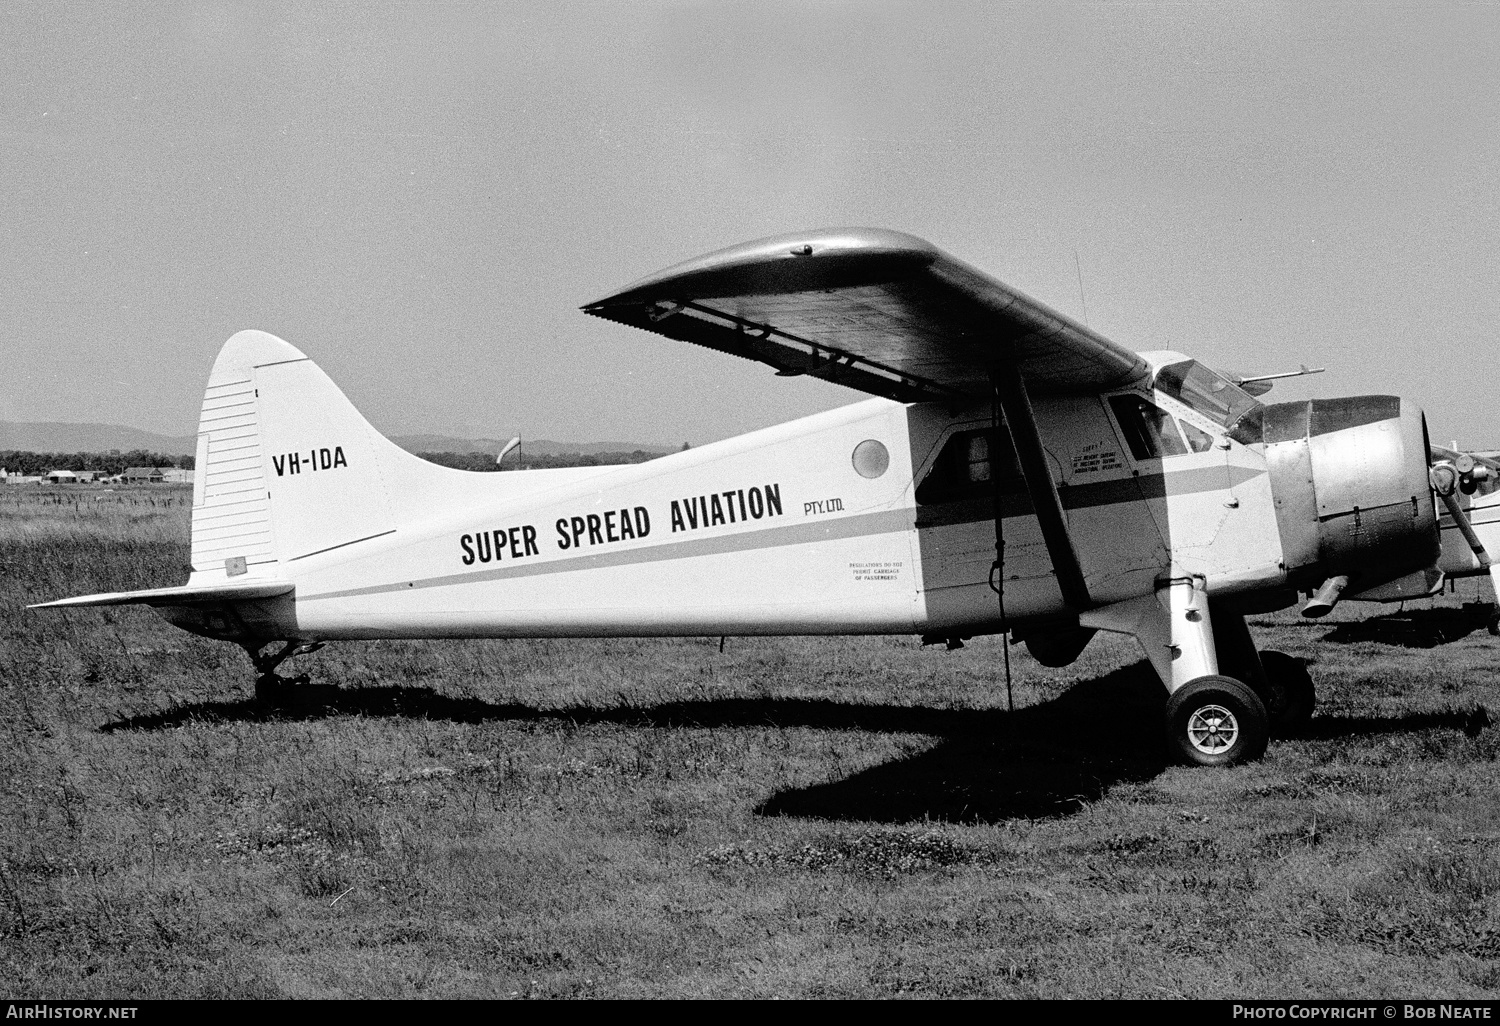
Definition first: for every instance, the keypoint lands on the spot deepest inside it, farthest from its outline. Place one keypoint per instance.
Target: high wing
(890, 314)
(879, 311)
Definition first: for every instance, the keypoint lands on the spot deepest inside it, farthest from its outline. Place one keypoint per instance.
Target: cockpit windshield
(1216, 397)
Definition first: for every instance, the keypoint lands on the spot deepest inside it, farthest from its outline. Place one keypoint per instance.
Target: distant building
(143, 475)
(61, 477)
(172, 475)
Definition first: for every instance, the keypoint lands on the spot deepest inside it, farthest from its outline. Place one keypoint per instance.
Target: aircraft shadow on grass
(1044, 761)
(1412, 628)
(1415, 628)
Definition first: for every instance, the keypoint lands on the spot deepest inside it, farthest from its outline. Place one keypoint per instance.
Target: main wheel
(1216, 721)
(1292, 698)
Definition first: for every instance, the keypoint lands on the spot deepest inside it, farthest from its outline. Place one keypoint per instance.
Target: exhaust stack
(1326, 597)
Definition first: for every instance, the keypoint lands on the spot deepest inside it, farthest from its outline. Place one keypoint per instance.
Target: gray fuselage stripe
(883, 522)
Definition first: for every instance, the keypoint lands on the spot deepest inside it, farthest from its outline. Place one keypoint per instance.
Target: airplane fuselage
(879, 517)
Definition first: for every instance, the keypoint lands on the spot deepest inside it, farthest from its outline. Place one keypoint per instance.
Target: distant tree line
(486, 461)
(19, 461)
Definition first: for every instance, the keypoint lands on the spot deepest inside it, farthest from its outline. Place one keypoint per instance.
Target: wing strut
(1016, 405)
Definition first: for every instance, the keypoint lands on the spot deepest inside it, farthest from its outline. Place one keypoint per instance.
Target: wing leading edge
(882, 312)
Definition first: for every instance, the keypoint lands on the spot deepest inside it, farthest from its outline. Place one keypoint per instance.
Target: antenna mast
(1078, 268)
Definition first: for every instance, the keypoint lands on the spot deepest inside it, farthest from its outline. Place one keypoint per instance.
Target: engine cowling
(1350, 481)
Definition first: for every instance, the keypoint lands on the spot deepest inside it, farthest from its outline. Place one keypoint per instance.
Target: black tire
(1292, 697)
(272, 693)
(1216, 721)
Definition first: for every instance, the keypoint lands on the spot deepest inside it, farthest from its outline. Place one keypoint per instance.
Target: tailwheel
(273, 691)
(270, 690)
(1290, 698)
(1216, 721)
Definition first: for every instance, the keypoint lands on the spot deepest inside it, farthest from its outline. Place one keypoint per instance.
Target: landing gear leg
(1211, 720)
(1494, 621)
(1279, 680)
(1295, 697)
(272, 690)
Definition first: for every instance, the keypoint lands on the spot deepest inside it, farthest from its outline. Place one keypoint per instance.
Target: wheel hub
(1212, 729)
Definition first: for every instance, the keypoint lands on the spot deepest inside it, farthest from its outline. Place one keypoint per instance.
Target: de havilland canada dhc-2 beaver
(1015, 472)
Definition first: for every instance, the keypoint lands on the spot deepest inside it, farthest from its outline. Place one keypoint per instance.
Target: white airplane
(1016, 472)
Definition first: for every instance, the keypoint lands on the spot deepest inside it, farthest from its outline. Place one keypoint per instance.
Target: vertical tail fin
(287, 468)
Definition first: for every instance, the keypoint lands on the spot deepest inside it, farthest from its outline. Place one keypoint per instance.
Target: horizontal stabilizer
(187, 595)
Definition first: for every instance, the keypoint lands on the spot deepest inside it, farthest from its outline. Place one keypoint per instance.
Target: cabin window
(969, 464)
(1150, 431)
(1198, 440)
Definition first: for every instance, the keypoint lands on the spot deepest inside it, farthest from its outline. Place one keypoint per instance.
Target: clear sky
(421, 195)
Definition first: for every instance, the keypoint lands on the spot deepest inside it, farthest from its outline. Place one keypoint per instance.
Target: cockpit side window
(1201, 390)
(966, 466)
(1150, 431)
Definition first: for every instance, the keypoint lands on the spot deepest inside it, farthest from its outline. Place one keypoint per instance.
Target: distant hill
(90, 438)
(531, 446)
(55, 437)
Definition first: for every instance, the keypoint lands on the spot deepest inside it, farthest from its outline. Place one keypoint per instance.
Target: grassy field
(797, 817)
